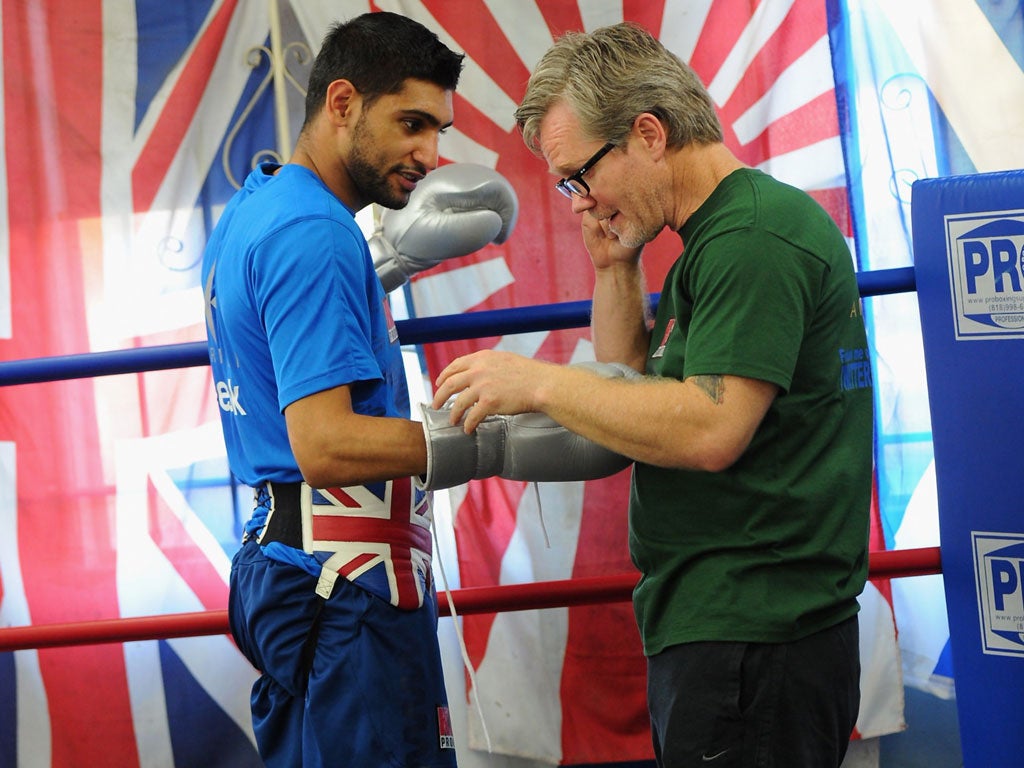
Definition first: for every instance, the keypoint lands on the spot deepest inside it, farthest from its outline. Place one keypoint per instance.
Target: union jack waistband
(375, 535)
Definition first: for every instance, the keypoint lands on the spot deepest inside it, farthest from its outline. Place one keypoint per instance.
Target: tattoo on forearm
(713, 386)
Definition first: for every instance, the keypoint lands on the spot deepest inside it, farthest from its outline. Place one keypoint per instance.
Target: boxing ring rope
(473, 325)
(469, 600)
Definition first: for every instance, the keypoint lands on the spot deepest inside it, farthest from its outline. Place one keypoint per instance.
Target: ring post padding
(969, 267)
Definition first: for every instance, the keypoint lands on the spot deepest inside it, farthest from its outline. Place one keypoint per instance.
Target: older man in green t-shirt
(752, 428)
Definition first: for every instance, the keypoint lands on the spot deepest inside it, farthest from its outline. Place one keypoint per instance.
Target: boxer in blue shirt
(331, 596)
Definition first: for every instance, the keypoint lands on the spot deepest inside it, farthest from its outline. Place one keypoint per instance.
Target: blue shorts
(350, 682)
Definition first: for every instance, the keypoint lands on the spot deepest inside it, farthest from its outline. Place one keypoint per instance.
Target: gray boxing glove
(453, 457)
(455, 210)
(527, 446)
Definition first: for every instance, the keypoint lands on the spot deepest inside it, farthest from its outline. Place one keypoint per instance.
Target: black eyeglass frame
(575, 185)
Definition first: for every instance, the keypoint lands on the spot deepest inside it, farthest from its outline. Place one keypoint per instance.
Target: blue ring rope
(421, 330)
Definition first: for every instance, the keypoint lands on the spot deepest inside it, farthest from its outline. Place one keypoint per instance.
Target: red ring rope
(509, 597)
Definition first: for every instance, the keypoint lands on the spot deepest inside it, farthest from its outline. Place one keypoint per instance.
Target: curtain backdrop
(125, 128)
(925, 89)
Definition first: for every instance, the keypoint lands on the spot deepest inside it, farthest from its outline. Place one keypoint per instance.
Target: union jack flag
(376, 535)
(114, 501)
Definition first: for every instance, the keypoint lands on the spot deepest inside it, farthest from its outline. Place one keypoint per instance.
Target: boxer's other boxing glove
(527, 446)
(455, 210)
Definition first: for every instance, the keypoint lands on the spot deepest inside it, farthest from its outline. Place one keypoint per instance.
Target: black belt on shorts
(284, 523)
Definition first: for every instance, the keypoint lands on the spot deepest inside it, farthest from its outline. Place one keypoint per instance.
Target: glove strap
(455, 458)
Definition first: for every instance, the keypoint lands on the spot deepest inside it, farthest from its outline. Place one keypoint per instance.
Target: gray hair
(609, 76)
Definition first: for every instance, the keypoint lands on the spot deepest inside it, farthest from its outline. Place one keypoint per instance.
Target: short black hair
(377, 52)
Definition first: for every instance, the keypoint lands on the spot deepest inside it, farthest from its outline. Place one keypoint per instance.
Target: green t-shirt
(775, 547)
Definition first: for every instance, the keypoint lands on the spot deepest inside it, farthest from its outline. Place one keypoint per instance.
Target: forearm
(626, 416)
(334, 446)
(659, 421)
(621, 311)
(365, 449)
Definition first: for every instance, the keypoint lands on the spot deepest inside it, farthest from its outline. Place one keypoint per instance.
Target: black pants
(754, 705)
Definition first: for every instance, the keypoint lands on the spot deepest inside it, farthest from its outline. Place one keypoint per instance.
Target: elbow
(318, 469)
(323, 466)
(327, 471)
(716, 461)
(717, 450)
(712, 456)
(316, 475)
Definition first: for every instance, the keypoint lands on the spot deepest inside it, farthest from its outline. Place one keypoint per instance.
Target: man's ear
(651, 132)
(342, 102)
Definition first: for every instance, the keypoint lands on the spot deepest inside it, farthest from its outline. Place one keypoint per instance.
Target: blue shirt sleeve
(314, 300)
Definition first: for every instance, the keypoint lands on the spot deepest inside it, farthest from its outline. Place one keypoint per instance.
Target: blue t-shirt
(293, 307)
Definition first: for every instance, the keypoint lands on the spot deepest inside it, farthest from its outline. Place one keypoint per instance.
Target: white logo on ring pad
(985, 255)
(999, 579)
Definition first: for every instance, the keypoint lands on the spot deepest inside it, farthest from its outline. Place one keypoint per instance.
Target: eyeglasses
(575, 185)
